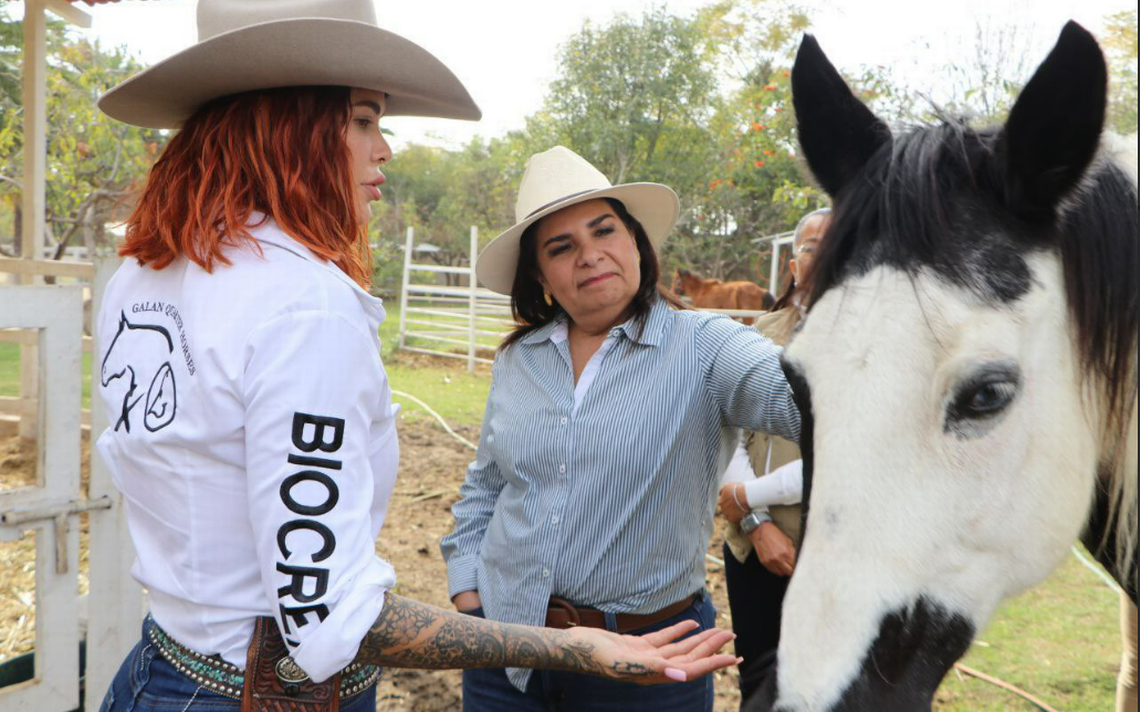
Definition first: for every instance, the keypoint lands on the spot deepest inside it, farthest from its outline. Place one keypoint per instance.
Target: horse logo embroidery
(140, 353)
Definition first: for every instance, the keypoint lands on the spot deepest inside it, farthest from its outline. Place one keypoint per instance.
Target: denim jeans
(147, 683)
(489, 690)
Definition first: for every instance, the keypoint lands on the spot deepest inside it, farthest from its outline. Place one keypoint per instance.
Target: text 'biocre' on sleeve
(314, 393)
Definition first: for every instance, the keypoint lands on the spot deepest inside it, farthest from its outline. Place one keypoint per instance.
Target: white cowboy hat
(262, 44)
(555, 179)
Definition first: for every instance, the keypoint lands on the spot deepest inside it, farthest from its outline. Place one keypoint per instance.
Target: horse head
(966, 375)
(678, 287)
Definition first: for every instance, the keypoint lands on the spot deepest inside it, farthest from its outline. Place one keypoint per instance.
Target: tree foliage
(1120, 46)
(700, 102)
(94, 163)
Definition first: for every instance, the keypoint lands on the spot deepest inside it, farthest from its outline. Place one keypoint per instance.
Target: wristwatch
(754, 519)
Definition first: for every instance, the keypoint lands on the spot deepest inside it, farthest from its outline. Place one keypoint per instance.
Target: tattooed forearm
(412, 634)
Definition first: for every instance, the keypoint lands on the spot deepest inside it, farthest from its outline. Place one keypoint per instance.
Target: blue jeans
(489, 690)
(147, 683)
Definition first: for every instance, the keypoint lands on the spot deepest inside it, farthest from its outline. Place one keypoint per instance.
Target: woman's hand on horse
(732, 496)
(467, 601)
(656, 657)
(775, 550)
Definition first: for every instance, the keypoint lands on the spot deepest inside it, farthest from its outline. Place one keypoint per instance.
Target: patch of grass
(9, 370)
(10, 373)
(459, 397)
(444, 385)
(390, 333)
(1059, 641)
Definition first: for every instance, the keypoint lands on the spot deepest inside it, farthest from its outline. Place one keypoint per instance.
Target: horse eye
(981, 398)
(988, 398)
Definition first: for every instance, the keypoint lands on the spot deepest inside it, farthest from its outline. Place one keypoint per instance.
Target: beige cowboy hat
(262, 44)
(555, 179)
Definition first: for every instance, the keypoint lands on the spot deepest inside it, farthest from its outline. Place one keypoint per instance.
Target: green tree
(94, 163)
(1120, 48)
(755, 186)
(443, 193)
(632, 95)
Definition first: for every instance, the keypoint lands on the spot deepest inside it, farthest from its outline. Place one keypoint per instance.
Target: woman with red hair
(253, 435)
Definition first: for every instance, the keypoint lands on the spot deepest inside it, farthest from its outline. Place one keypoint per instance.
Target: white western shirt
(253, 437)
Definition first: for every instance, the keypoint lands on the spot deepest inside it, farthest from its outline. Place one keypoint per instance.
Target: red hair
(281, 152)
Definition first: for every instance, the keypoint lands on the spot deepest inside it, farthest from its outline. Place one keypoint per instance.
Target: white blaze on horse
(967, 374)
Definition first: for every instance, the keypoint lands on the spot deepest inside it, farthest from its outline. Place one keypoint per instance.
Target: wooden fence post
(32, 198)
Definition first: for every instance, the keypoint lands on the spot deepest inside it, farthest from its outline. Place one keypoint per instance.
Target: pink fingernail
(675, 674)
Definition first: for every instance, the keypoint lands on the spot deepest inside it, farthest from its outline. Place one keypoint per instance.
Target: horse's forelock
(933, 199)
(929, 198)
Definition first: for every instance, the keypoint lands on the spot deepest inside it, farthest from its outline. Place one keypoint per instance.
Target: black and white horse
(967, 374)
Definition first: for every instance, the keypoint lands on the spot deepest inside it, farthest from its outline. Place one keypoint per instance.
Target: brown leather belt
(563, 614)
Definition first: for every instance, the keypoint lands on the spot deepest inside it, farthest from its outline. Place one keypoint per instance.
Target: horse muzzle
(901, 671)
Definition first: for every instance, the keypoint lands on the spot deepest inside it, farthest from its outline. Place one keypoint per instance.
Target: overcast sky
(505, 50)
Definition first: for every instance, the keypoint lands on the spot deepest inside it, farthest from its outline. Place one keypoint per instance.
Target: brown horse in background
(715, 294)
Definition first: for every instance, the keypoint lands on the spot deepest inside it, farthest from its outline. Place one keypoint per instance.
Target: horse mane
(912, 207)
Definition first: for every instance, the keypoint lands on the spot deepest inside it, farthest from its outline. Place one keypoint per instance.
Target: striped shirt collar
(651, 335)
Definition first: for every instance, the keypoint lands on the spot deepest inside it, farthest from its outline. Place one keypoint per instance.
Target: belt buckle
(571, 611)
(291, 675)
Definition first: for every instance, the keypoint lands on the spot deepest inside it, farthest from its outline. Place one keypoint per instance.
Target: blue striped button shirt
(612, 506)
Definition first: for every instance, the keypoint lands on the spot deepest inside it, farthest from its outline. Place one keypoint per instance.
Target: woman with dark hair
(611, 415)
(253, 432)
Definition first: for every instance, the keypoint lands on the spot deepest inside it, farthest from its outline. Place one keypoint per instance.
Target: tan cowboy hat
(262, 44)
(555, 179)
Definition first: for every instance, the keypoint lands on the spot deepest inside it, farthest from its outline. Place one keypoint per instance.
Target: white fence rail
(450, 321)
(778, 241)
(462, 321)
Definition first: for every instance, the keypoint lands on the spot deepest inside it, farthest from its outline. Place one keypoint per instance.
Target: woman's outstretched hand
(411, 634)
(656, 657)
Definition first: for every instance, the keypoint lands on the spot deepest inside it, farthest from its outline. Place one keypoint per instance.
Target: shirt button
(554, 519)
(546, 573)
(565, 420)
(562, 468)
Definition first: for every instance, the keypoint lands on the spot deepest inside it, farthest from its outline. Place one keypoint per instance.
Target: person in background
(763, 512)
(611, 416)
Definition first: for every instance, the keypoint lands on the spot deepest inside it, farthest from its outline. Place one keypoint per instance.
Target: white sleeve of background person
(782, 486)
(739, 467)
(477, 497)
(744, 376)
(316, 505)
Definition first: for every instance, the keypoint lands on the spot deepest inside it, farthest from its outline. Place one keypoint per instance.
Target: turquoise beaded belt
(221, 677)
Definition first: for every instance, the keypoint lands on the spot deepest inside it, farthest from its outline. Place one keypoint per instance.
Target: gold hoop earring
(546, 298)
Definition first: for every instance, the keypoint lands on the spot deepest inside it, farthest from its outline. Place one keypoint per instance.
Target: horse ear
(838, 133)
(1053, 130)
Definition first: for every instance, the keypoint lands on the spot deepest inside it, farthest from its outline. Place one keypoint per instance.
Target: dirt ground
(431, 469)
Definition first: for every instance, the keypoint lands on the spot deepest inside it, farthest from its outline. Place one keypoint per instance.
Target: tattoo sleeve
(412, 634)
